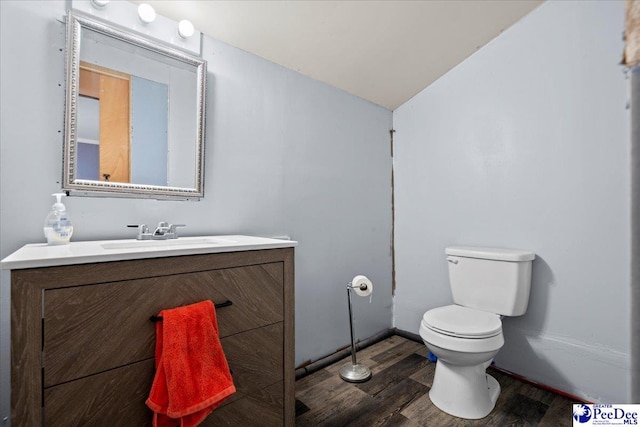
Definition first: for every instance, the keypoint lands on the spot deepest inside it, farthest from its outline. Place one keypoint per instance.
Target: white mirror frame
(74, 186)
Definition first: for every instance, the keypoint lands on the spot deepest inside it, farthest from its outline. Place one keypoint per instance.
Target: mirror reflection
(122, 127)
(135, 115)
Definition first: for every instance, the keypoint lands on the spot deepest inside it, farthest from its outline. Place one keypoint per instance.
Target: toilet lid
(464, 322)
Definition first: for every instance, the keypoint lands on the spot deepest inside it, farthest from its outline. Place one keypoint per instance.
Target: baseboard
(417, 338)
(406, 334)
(303, 371)
(537, 384)
(588, 370)
(332, 358)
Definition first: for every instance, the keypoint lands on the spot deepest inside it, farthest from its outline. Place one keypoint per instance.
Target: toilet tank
(490, 279)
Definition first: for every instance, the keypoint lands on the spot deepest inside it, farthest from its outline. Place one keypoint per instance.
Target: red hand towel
(192, 375)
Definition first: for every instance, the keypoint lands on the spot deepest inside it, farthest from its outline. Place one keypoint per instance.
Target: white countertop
(43, 255)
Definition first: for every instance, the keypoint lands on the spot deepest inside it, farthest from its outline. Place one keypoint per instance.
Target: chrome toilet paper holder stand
(354, 372)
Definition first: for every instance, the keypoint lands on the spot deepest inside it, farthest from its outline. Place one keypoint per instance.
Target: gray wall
(635, 235)
(523, 145)
(285, 155)
(526, 145)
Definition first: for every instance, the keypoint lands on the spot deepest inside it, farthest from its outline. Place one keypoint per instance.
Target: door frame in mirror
(70, 183)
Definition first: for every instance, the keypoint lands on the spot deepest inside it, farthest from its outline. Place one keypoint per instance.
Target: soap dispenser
(57, 226)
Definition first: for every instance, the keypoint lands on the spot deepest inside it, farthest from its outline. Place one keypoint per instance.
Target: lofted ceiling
(383, 51)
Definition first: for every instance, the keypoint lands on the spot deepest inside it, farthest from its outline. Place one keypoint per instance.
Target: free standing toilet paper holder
(355, 372)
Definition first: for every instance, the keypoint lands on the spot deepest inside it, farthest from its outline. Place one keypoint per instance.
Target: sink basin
(182, 241)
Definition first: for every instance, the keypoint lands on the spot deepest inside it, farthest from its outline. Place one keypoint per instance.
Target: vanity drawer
(255, 357)
(93, 328)
(263, 408)
(112, 398)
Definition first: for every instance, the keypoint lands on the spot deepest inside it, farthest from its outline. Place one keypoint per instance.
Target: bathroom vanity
(82, 342)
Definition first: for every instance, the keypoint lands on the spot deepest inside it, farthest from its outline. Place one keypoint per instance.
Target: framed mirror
(134, 115)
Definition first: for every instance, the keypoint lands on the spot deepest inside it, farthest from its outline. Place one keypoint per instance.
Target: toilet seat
(462, 322)
(462, 329)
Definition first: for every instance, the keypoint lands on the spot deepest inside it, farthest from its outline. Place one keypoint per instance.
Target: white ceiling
(383, 51)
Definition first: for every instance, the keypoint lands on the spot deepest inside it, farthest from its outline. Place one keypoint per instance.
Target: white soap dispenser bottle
(57, 226)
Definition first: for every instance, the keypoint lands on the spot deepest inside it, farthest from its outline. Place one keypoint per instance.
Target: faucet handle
(138, 226)
(142, 230)
(172, 229)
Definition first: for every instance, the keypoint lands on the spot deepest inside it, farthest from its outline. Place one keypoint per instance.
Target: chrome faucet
(163, 231)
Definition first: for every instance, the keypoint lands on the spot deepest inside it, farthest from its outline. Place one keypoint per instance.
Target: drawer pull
(226, 303)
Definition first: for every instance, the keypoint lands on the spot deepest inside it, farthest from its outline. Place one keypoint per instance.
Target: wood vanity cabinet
(82, 343)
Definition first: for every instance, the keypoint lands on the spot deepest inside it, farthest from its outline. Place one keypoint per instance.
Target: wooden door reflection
(112, 90)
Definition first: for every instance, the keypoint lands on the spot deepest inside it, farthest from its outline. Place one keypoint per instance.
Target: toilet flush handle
(452, 260)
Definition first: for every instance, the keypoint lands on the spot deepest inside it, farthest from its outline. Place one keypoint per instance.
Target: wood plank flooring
(397, 395)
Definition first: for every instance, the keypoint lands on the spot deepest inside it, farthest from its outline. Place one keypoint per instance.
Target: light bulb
(146, 13)
(185, 29)
(99, 4)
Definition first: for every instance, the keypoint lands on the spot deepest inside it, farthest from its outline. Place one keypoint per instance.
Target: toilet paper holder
(355, 372)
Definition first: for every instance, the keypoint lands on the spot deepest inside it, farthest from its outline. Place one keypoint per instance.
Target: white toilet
(486, 284)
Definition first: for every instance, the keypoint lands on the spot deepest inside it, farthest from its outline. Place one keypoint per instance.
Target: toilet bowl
(460, 385)
(486, 284)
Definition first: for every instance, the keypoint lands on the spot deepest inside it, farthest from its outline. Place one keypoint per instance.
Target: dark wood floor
(397, 395)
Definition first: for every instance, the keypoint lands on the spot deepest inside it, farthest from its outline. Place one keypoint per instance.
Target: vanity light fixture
(99, 4)
(146, 13)
(185, 29)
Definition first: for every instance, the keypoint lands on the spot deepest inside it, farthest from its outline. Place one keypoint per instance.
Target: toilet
(487, 284)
